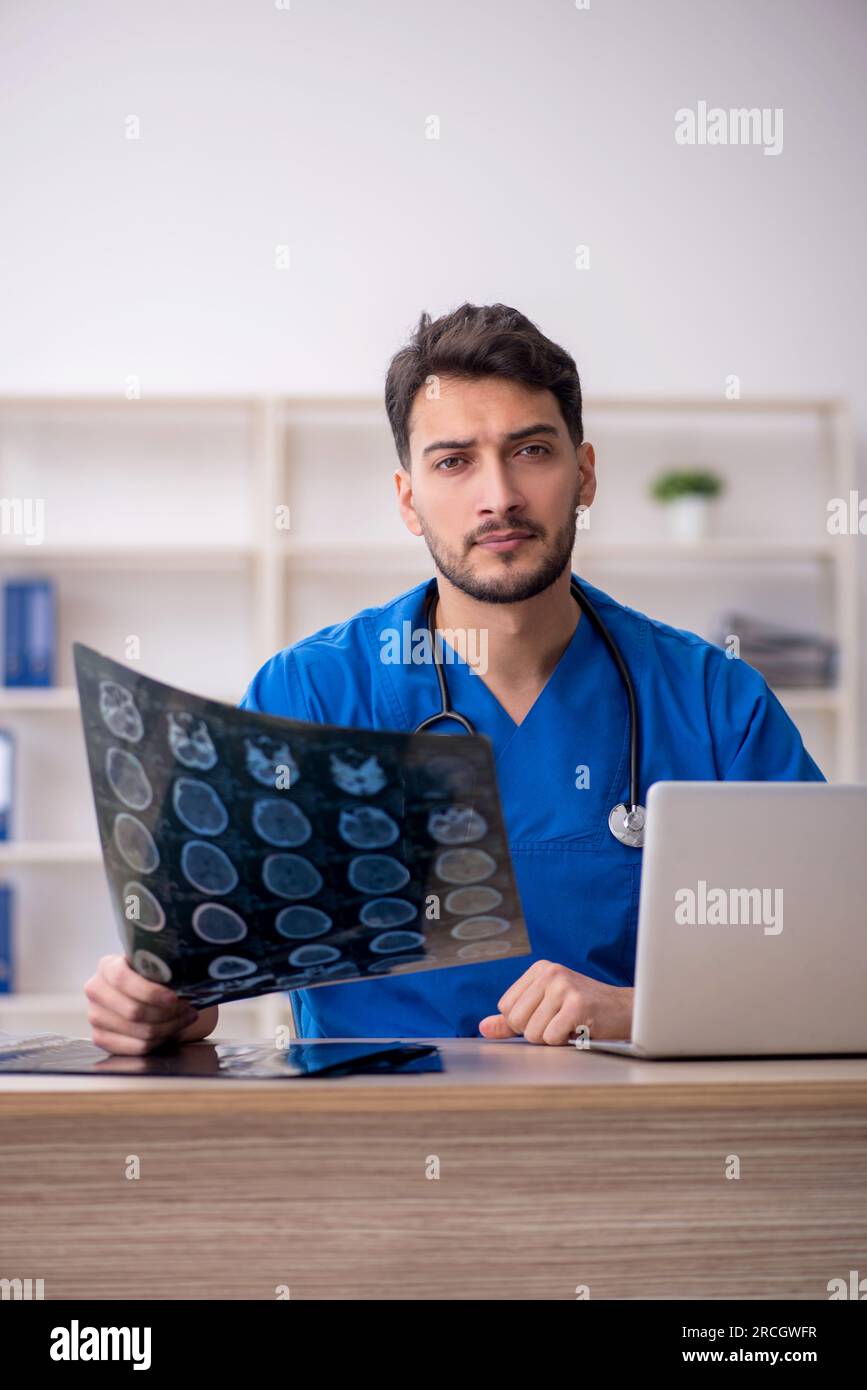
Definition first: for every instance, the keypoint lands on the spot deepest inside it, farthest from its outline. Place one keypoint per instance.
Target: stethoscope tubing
(447, 711)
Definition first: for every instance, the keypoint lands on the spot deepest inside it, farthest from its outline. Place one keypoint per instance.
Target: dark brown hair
(476, 341)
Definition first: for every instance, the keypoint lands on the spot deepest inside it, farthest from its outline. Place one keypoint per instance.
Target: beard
(509, 585)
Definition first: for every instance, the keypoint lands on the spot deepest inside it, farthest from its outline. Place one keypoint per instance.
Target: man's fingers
(541, 1018)
(120, 1042)
(525, 1005)
(564, 1023)
(119, 973)
(495, 1026)
(132, 1009)
(106, 1021)
(514, 992)
(201, 1026)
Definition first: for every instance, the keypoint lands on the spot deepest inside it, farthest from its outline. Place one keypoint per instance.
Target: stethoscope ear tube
(626, 822)
(445, 711)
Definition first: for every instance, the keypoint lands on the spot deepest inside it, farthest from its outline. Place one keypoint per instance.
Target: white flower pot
(688, 519)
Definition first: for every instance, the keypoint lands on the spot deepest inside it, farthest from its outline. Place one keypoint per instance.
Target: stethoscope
(626, 822)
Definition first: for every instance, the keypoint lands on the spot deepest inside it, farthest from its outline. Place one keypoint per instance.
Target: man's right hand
(130, 1014)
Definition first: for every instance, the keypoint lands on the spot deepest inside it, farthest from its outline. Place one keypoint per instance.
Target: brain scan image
(483, 950)
(472, 900)
(313, 955)
(270, 761)
(377, 873)
(447, 770)
(136, 843)
(280, 822)
(456, 825)
(401, 965)
(357, 773)
(119, 711)
(367, 827)
(475, 928)
(140, 906)
(340, 970)
(389, 941)
(151, 966)
(226, 967)
(218, 924)
(198, 806)
(297, 923)
(128, 779)
(207, 867)
(291, 876)
(464, 865)
(388, 912)
(248, 853)
(190, 741)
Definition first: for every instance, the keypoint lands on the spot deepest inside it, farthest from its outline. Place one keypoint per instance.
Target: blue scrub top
(704, 717)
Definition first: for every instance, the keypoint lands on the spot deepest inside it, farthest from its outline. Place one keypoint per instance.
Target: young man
(492, 470)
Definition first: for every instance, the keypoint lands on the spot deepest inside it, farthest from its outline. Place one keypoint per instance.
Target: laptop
(752, 922)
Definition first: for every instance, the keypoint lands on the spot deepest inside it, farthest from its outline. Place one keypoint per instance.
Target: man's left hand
(549, 1002)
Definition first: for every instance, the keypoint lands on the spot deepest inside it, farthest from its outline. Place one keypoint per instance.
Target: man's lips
(504, 540)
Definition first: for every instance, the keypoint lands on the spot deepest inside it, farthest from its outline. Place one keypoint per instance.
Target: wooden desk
(558, 1168)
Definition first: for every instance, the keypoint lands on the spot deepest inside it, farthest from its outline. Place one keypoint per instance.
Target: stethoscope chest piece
(627, 826)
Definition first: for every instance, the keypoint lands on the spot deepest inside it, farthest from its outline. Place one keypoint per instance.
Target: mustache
(494, 527)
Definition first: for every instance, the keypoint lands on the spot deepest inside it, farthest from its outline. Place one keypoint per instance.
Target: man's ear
(587, 472)
(403, 486)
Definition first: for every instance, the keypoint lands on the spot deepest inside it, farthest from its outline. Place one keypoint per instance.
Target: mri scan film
(247, 853)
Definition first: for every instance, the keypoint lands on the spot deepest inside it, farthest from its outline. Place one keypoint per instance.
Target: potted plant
(687, 494)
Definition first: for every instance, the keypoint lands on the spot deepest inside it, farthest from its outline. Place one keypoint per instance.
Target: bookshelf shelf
(51, 700)
(160, 520)
(132, 557)
(24, 852)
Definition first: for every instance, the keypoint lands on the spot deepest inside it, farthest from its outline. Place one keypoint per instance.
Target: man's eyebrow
(512, 438)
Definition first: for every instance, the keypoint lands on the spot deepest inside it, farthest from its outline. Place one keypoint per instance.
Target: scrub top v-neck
(559, 772)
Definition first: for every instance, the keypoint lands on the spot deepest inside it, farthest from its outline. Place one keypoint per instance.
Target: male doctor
(492, 471)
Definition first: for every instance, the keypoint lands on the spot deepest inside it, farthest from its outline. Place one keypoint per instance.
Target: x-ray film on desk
(247, 853)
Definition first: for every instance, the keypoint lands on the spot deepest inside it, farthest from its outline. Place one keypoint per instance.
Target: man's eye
(456, 458)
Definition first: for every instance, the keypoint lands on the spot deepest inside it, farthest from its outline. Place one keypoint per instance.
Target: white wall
(306, 126)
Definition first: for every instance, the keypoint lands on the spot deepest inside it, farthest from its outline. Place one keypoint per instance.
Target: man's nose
(498, 490)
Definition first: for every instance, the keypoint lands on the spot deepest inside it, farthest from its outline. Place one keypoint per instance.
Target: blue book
(29, 632)
(7, 971)
(7, 782)
(12, 633)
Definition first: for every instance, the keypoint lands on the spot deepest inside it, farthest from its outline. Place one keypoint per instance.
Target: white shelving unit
(161, 522)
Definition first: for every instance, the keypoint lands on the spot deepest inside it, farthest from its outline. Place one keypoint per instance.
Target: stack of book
(785, 656)
(29, 659)
(29, 632)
